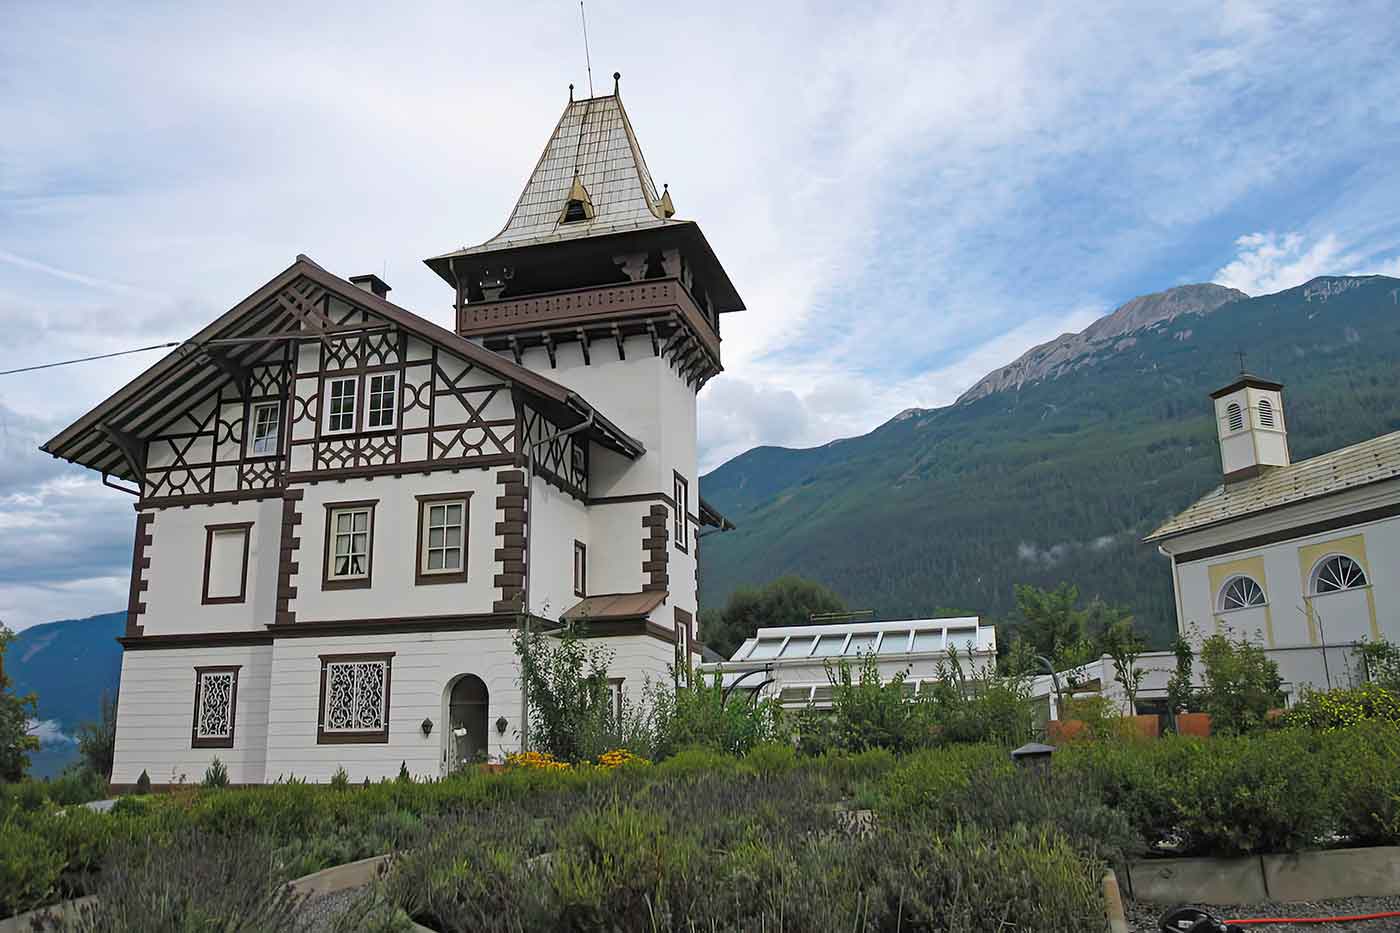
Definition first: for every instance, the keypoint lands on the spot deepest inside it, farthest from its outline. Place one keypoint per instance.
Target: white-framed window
(1234, 416)
(1240, 593)
(381, 401)
(349, 538)
(215, 703)
(266, 418)
(442, 545)
(354, 698)
(615, 697)
(1266, 413)
(342, 393)
(1336, 573)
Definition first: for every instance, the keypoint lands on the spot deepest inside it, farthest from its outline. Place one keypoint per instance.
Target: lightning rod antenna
(587, 59)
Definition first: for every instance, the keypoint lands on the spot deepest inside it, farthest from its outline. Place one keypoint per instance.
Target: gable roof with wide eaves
(161, 393)
(1371, 461)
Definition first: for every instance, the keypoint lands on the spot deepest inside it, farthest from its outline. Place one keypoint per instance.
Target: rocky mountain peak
(1110, 332)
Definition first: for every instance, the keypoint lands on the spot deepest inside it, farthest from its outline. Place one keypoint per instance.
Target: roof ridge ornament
(617, 80)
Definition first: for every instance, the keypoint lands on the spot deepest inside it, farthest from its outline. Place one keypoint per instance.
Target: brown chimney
(372, 284)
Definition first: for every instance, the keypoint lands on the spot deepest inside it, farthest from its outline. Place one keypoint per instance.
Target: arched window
(1266, 413)
(1240, 593)
(1234, 416)
(1336, 573)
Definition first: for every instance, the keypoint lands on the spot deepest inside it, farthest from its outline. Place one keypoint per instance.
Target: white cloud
(1271, 262)
(907, 195)
(50, 732)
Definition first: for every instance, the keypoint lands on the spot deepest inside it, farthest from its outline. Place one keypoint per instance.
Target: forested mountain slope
(1055, 466)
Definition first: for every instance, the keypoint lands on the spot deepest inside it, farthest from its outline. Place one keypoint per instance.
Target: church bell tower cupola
(1251, 427)
(591, 254)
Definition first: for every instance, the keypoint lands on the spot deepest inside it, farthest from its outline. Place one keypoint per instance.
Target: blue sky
(907, 195)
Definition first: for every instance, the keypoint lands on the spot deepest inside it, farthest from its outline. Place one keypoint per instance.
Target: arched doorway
(466, 722)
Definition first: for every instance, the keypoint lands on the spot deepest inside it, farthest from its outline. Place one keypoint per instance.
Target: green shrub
(1241, 684)
(1364, 767)
(698, 714)
(925, 780)
(188, 884)
(216, 775)
(341, 779)
(769, 759)
(30, 867)
(1329, 710)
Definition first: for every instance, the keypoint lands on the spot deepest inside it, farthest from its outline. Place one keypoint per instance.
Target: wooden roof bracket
(621, 349)
(133, 450)
(583, 343)
(549, 348)
(237, 373)
(515, 350)
(655, 343)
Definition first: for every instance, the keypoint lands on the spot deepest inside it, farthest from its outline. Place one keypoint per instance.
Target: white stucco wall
(557, 521)
(176, 575)
(393, 592)
(1338, 617)
(424, 665)
(155, 715)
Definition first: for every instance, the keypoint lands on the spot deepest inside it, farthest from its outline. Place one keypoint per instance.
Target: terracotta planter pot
(1059, 731)
(1146, 726)
(1193, 724)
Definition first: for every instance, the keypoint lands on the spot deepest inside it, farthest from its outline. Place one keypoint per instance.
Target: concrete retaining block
(339, 877)
(1198, 881)
(65, 913)
(1312, 876)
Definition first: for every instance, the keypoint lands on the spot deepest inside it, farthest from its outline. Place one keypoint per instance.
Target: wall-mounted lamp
(501, 726)
(427, 726)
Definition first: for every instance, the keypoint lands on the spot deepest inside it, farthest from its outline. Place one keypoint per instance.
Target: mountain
(69, 664)
(1054, 467)
(1067, 351)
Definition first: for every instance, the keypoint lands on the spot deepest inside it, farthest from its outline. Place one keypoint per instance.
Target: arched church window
(1336, 573)
(1240, 593)
(1266, 413)
(1234, 416)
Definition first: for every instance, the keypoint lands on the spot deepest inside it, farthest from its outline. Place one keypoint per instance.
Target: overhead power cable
(88, 359)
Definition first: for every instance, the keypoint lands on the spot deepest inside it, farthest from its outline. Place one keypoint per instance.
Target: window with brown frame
(349, 557)
(215, 706)
(442, 538)
(354, 699)
(682, 496)
(226, 563)
(580, 569)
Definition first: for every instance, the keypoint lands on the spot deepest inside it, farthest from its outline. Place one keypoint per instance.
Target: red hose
(1256, 921)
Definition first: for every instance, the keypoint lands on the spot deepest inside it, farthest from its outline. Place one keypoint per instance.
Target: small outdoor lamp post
(1033, 757)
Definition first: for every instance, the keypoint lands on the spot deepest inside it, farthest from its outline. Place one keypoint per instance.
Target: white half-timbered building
(344, 511)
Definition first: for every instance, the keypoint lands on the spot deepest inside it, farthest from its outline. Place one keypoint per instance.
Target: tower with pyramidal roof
(345, 513)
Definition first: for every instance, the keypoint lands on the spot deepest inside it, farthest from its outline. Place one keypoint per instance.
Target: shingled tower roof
(594, 153)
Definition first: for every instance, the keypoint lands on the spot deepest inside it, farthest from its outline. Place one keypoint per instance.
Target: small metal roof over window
(884, 639)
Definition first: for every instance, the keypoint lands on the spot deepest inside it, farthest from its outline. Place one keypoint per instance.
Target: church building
(1301, 556)
(345, 512)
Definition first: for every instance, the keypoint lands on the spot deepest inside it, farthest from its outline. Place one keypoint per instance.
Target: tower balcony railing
(587, 307)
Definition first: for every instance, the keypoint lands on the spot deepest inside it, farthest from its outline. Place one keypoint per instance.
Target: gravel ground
(322, 911)
(1143, 917)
